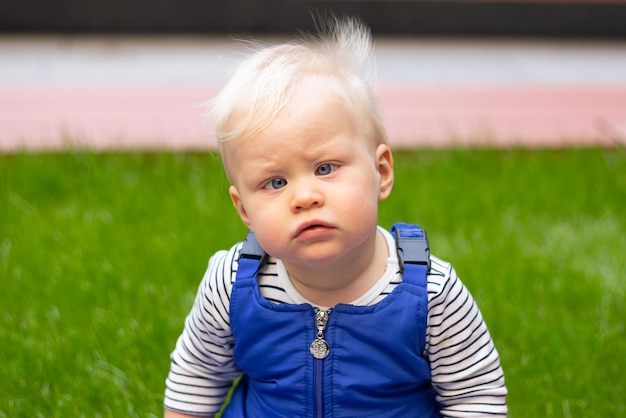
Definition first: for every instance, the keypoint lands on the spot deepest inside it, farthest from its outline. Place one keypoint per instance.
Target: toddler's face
(309, 184)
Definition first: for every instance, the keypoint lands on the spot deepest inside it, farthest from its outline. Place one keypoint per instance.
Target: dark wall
(559, 18)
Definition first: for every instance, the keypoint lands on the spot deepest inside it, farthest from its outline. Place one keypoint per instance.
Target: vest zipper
(319, 349)
(318, 388)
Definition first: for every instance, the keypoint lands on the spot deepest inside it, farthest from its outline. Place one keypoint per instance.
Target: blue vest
(373, 367)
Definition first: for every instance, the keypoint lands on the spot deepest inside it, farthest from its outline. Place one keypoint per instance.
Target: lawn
(101, 254)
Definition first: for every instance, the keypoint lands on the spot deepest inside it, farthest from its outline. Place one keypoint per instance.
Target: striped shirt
(464, 363)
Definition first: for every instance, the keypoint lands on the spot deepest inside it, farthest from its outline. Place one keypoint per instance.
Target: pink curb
(505, 116)
(100, 119)
(36, 119)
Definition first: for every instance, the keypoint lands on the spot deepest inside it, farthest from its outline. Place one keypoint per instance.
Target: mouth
(311, 227)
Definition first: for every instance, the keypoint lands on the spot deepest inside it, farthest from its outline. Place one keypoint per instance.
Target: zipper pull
(319, 347)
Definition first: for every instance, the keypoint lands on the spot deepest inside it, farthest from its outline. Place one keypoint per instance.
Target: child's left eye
(325, 169)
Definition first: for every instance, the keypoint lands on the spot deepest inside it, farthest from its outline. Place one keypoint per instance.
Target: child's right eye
(275, 184)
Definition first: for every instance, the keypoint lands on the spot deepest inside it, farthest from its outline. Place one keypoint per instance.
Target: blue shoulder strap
(251, 258)
(413, 251)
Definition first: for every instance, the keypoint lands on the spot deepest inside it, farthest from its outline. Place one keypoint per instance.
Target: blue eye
(275, 184)
(325, 169)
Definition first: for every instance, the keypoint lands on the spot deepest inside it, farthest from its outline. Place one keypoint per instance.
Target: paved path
(144, 92)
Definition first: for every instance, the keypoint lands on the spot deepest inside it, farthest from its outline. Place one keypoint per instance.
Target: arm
(465, 366)
(202, 368)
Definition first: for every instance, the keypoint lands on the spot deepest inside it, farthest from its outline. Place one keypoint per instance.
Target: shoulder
(443, 282)
(220, 273)
(225, 261)
(450, 303)
(439, 275)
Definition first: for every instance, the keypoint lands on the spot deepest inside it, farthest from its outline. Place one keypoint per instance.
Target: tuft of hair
(263, 83)
(347, 42)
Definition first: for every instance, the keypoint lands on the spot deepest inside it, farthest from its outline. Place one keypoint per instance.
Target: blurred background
(516, 111)
(563, 18)
(131, 74)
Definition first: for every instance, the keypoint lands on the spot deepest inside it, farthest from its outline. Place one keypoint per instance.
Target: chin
(322, 256)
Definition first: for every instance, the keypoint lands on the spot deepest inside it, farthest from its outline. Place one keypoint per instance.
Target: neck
(345, 281)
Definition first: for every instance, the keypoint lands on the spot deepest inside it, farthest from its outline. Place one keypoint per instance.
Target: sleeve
(202, 369)
(465, 365)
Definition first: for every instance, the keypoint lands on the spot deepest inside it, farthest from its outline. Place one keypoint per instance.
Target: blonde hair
(263, 83)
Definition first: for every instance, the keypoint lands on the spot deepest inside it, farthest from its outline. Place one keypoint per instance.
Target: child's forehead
(315, 96)
(253, 114)
(307, 126)
(316, 102)
(308, 122)
(312, 106)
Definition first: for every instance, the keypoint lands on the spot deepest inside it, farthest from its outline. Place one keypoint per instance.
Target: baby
(316, 314)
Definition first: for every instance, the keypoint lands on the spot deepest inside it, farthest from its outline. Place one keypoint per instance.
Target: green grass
(101, 254)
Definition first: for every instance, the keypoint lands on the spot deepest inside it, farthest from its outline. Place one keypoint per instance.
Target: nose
(306, 196)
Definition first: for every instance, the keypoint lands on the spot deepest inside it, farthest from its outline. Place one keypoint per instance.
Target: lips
(311, 227)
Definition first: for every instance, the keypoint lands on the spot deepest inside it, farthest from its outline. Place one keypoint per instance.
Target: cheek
(264, 218)
(362, 188)
(271, 234)
(361, 197)
(359, 202)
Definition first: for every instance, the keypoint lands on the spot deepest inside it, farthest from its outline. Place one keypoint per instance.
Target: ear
(384, 167)
(238, 204)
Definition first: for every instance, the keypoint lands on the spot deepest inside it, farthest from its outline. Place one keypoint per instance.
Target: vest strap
(412, 245)
(251, 258)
